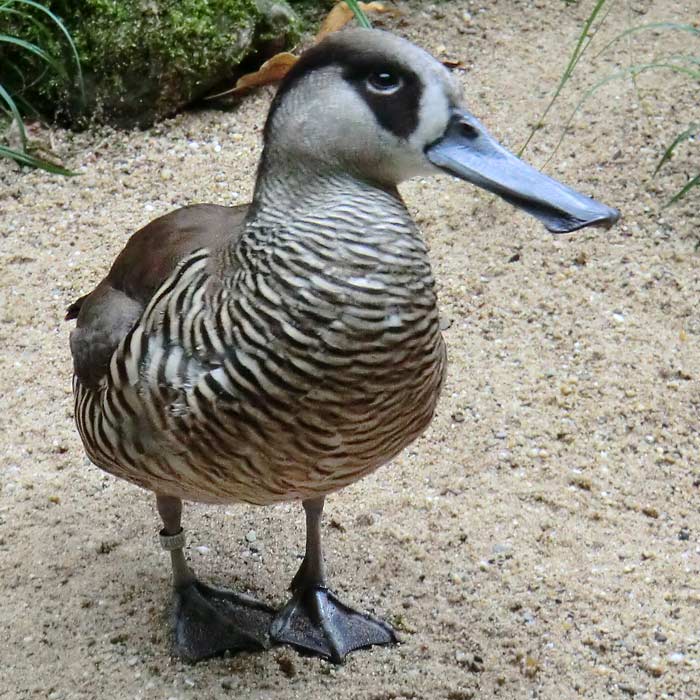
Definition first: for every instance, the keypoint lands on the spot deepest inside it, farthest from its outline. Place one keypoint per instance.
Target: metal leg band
(172, 542)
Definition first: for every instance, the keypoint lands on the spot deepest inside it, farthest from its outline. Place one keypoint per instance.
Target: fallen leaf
(279, 65)
(341, 14)
(270, 72)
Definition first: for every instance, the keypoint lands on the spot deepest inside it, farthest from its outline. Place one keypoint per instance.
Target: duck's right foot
(209, 621)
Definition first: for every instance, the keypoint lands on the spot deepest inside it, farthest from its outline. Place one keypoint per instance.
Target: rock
(472, 662)
(143, 61)
(287, 665)
(654, 668)
(365, 519)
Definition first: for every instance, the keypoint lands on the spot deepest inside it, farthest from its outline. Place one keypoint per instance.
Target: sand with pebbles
(540, 540)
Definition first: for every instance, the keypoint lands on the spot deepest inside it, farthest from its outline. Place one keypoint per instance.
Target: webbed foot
(209, 621)
(317, 622)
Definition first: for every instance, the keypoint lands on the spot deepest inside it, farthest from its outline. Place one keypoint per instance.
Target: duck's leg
(207, 621)
(315, 620)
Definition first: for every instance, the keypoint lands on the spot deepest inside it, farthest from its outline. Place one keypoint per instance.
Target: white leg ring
(172, 542)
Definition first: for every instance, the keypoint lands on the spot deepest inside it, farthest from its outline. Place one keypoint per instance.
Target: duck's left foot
(317, 622)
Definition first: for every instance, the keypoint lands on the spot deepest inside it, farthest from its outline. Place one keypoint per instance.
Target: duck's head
(368, 103)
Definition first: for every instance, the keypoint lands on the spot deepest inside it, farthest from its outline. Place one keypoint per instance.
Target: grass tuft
(359, 13)
(13, 48)
(684, 64)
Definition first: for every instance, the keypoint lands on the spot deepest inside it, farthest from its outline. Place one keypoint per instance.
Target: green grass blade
(26, 17)
(37, 51)
(24, 158)
(360, 16)
(59, 23)
(10, 66)
(694, 182)
(26, 107)
(683, 136)
(649, 27)
(62, 28)
(14, 112)
(583, 40)
(630, 70)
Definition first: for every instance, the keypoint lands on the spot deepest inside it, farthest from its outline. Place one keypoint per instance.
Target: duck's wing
(107, 314)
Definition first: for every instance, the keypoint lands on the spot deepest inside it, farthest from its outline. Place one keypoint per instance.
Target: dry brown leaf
(279, 65)
(271, 71)
(341, 14)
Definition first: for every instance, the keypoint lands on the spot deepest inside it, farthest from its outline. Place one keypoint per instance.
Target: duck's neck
(318, 242)
(302, 195)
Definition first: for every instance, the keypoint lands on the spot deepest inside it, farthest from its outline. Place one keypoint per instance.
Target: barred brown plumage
(282, 351)
(279, 368)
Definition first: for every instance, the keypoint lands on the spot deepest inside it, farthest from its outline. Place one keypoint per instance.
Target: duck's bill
(469, 152)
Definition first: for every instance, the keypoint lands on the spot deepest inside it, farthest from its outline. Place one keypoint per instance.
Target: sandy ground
(540, 540)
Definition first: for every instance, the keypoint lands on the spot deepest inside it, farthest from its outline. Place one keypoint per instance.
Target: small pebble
(655, 669)
(472, 662)
(365, 519)
(251, 536)
(287, 666)
(530, 666)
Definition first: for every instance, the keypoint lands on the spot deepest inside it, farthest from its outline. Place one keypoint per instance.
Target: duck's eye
(383, 81)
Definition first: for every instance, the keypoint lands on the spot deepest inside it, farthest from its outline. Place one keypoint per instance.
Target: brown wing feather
(107, 314)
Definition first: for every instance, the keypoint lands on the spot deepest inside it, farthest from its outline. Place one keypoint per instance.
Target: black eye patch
(397, 111)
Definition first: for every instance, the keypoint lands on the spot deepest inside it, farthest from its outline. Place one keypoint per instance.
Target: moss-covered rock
(143, 60)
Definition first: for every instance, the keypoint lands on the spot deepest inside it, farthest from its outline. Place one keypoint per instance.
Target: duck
(281, 350)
